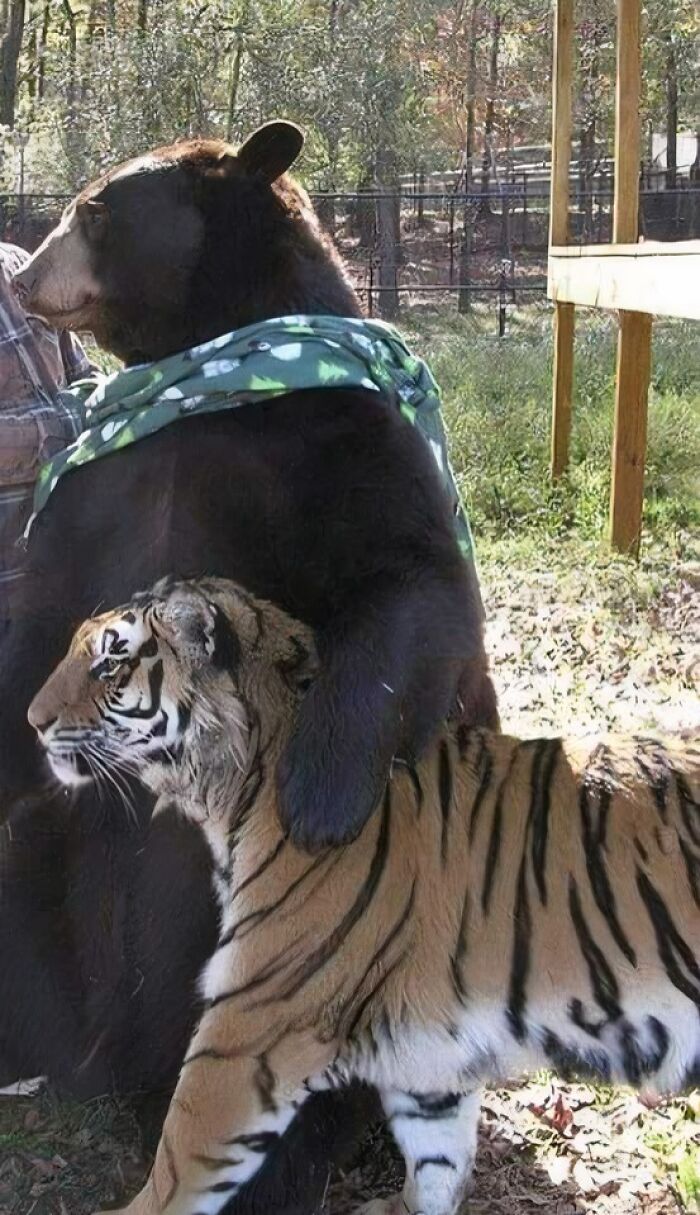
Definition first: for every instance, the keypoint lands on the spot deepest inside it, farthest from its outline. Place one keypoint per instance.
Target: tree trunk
(142, 17)
(10, 48)
(86, 49)
(464, 299)
(489, 116)
(471, 98)
(671, 83)
(236, 72)
(43, 42)
(32, 55)
(72, 53)
(387, 235)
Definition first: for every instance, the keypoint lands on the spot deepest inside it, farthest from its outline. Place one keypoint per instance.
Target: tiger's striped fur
(510, 905)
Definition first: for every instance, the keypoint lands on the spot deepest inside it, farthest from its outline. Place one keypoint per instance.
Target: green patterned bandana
(254, 364)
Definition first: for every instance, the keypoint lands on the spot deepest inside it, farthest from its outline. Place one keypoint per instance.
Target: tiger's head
(198, 672)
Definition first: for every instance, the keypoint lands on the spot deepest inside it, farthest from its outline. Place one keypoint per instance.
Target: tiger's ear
(198, 629)
(270, 150)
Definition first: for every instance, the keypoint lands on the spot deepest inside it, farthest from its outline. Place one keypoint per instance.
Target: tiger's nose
(40, 726)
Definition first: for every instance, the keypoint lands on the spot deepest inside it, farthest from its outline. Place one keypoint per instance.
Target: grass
(497, 396)
(581, 638)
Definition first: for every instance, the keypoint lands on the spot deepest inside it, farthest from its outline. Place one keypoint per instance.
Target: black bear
(326, 501)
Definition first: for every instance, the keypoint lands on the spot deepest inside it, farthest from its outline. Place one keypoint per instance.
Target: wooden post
(629, 444)
(634, 337)
(563, 370)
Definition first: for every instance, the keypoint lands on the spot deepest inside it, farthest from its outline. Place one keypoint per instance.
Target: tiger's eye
(106, 668)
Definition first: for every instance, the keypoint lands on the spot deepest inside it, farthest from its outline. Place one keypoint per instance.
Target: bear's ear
(270, 150)
(94, 219)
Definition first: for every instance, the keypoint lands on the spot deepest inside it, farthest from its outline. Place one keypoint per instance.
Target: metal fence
(442, 247)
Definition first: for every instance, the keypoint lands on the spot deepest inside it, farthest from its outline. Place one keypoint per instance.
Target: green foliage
(363, 76)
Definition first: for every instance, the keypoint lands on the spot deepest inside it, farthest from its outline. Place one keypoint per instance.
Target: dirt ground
(582, 640)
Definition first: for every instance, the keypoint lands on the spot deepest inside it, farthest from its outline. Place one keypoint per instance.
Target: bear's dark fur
(326, 502)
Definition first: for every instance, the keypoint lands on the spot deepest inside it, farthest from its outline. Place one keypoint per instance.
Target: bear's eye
(107, 668)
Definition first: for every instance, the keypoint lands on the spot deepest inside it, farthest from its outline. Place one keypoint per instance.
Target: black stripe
(672, 948)
(570, 1062)
(161, 726)
(227, 647)
(148, 649)
(262, 867)
(425, 1114)
(657, 779)
(692, 868)
(261, 1142)
(415, 781)
(371, 994)
(440, 1162)
(598, 876)
(264, 1081)
(268, 971)
(641, 849)
(520, 963)
(155, 684)
(254, 918)
(460, 951)
(544, 765)
(445, 790)
(486, 765)
(603, 982)
(436, 1103)
(636, 1062)
(328, 948)
(375, 960)
(494, 849)
(579, 1018)
(687, 803)
(492, 857)
(222, 1187)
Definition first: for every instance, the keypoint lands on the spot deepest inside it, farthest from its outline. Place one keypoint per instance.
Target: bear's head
(180, 245)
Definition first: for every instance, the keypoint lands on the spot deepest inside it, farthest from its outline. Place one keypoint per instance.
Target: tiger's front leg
(231, 1104)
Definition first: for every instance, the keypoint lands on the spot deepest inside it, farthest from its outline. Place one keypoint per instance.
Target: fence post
(387, 250)
(451, 234)
(421, 188)
(464, 298)
(502, 291)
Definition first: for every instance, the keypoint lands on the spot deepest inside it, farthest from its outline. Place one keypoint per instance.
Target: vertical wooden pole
(563, 370)
(627, 123)
(634, 337)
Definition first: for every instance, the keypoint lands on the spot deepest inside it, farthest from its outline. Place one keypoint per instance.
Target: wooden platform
(662, 279)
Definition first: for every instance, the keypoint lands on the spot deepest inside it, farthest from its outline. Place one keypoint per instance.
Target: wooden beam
(627, 123)
(662, 279)
(563, 386)
(630, 438)
(563, 370)
(634, 336)
(562, 76)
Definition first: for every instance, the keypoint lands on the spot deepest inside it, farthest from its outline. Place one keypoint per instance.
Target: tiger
(512, 905)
